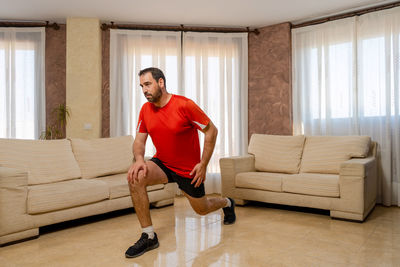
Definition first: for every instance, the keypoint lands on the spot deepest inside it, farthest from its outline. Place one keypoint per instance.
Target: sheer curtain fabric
(346, 81)
(210, 69)
(130, 52)
(22, 83)
(215, 77)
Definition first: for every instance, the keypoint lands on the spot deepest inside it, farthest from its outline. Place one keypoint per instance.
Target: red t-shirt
(173, 130)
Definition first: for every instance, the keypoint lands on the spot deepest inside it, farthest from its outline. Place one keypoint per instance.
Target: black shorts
(183, 182)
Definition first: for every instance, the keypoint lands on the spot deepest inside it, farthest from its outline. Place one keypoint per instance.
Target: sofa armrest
(11, 178)
(357, 167)
(231, 166)
(358, 184)
(13, 197)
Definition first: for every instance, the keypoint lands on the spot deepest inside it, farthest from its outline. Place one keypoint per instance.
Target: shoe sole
(229, 223)
(144, 251)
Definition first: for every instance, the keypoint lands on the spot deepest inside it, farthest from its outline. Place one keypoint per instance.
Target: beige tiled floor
(262, 236)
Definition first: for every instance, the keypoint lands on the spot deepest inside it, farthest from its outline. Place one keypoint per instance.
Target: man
(172, 122)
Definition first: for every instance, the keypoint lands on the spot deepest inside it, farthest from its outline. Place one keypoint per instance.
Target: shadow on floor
(286, 207)
(82, 221)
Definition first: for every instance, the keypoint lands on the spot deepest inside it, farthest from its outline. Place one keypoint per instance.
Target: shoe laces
(142, 241)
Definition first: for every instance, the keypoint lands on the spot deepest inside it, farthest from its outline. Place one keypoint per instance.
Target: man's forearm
(209, 144)
(138, 151)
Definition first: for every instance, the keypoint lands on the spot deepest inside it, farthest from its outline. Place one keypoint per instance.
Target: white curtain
(22, 83)
(346, 81)
(215, 77)
(210, 69)
(130, 52)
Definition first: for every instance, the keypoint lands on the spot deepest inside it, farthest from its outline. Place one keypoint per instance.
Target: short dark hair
(155, 72)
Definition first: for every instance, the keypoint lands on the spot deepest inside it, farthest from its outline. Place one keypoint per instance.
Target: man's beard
(155, 97)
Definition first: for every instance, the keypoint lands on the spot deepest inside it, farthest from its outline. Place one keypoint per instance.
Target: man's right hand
(134, 171)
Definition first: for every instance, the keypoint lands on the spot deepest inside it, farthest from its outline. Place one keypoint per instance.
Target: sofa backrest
(46, 161)
(373, 149)
(277, 153)
(103, 156)
(324, 154)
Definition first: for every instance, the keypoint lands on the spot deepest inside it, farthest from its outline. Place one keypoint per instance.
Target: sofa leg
(163, 203)
(19, 237)
(353, 216)
(240, 202)
(349, 216)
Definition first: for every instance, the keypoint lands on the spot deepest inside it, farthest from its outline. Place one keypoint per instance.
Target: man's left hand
(199, 172)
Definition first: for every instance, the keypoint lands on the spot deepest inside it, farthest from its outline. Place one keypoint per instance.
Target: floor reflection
(261, 236)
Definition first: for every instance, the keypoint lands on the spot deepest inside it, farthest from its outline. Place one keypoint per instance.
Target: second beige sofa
(336, 173)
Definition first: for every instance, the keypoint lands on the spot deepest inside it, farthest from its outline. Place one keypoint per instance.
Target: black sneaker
(229, 213)
(143, 245)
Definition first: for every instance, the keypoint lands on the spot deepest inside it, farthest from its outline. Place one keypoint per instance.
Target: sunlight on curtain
(346, 81)
(22, 85)
(215, 77)
(130, 52)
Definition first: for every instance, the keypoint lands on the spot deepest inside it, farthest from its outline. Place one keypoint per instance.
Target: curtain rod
(46, 24)
(347, 15)
(183, 28)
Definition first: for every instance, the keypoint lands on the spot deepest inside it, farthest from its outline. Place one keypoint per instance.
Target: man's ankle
(149, 230)
(228, 202)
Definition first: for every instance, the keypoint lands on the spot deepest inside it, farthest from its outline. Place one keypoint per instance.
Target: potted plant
(62, 113)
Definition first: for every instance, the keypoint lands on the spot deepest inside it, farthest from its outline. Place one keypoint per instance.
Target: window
(373, 60)
(22, 106)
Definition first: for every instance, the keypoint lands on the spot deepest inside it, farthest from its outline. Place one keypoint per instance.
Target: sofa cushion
(260, 180)
(103, 156)
(118, 185)
(314, 184)
(46, 161)
(63, 195)
(324, 154)
(274, 153)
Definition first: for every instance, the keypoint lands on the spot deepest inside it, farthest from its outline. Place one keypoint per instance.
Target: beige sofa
(336, 173)
(46, 182)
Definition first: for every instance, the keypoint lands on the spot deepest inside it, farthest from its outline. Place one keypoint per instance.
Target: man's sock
(228, 202)
(149, 230)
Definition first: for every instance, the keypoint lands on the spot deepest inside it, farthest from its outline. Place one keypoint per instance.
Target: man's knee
(139, 183)
(202, 212)
(201, 208)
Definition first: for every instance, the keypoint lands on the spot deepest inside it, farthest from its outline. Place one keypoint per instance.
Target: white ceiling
(232, 13)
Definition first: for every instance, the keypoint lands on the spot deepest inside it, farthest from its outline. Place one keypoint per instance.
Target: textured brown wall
(270, 106)
(105, 87)
(55, 71)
